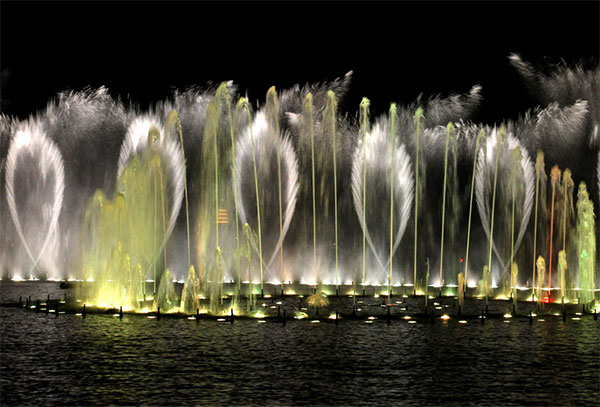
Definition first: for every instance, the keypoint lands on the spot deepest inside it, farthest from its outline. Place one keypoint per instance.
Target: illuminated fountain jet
(34, 192)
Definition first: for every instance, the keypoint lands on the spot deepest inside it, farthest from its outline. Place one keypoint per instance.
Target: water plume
(451, 185)
(35, 183)
(496, 153)
(168, 148)
(586, 244)
(191, 292)
(541, 213)
(373, 209)
(166, 298)
(541, 277)
(554, 182)
(479, 140)
(562, 272)
(122, 236)
(262, 139)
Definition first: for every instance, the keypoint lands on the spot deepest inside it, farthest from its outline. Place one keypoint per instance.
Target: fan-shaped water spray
(261, 140)
(496, 153)
(34, 192)
(374, 209)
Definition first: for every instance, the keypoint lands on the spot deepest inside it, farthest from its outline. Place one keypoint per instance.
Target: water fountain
(490, 164)
(294, 198)
(387, 168)
(586, 244)
(257, 151)
(34, 192)
(124, 239)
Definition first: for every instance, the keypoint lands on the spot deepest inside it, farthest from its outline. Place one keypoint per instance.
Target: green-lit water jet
(364, 129)
(554, 180)
(540, 190)
(241, 109)
(419, 191)
(562, 270)
(586, 244)
(480, 138)
(309, 127)
(450, 133)
(272, 112)
(329, 130)
(393, 130)
(500, 141)
(541, 276)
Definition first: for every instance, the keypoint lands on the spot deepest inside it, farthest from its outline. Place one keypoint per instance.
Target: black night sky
(142, 50)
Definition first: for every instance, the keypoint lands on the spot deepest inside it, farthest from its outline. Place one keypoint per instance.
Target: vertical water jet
(393, 125)
(479, 139)
(449, 132)
(329, 130)
(541, 275)
(562, 269)
(364, 129)
(309, 127)
(241, 108)
(540, 189)
(500, 141)
(272, 112)
(554, 180)
(586, 244)
(419, 189)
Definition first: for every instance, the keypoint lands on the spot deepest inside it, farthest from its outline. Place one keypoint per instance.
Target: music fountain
(208, 207)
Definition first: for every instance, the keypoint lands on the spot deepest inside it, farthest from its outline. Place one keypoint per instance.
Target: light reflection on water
(102, 360)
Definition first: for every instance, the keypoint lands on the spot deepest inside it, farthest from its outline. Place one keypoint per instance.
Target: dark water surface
(101, 360)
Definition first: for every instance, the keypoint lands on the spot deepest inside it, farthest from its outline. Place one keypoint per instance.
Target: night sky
(142, 50)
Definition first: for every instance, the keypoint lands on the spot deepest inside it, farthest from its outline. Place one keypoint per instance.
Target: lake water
(102, 360)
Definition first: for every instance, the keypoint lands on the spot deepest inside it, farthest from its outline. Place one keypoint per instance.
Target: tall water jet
(372, 210)
(586, 244)
(419, 188)
(501, 136)
(540, 191)
(554, 181)
(393, 130)
(223, 94)
(272, 111)
(515, 166)
(308, 127)
(174, 121)
(480, 138)
(217, 237)
(364, 129)
(328, 126)
(568, 187)
(34, 193)
(451, 185)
